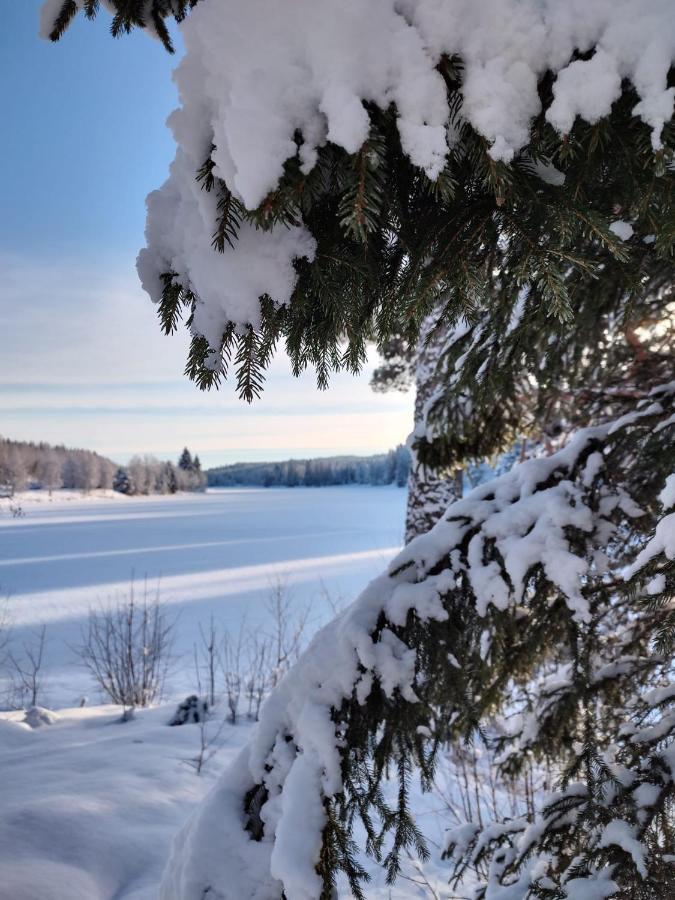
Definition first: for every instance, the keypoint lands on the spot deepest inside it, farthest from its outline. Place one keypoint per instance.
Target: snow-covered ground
(33, 499)
(89, 804)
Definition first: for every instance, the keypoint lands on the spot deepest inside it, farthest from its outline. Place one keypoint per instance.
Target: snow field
(90, 805)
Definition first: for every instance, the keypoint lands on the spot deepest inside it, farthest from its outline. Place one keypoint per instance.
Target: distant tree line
(149, 475)
(25, 465)
(28, 465)
(384, 468)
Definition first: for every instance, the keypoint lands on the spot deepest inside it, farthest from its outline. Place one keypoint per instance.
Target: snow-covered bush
(37, 716)
(26, 670)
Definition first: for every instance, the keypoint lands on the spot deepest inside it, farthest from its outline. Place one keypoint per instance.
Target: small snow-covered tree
(122, 482)
(141, 470)
(13, 472)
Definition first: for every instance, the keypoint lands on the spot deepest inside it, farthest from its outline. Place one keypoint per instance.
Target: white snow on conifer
(295, 752)
(256, 74)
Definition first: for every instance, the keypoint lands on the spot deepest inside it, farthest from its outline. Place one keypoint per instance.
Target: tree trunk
(430, 491)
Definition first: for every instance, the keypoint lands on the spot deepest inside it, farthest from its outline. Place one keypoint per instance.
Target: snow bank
(55, 498)
(90, 805)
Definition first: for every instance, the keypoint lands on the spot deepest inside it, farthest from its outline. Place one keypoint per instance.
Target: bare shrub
(271, 652)
(127, 648)
(258, 677)
(337, 603)
(4, 659)
(287, 629)
(209, 736)
(26, 674)
(208, 659)
(5, 627)
(232, 666)
(250, 662)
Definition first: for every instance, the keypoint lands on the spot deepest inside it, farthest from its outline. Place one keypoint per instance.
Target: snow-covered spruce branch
(608, 834)
(393, 52)
(342, 166)
(509, 577)
(609, 831)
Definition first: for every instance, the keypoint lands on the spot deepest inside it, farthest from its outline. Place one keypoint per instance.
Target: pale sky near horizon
(82, 360)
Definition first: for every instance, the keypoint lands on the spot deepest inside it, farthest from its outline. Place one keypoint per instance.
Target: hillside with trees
(28, 465)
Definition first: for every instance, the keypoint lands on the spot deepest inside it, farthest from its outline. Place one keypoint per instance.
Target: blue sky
(82, 361)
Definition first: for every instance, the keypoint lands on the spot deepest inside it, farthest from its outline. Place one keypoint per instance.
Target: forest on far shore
(33, 466)
(383, 468)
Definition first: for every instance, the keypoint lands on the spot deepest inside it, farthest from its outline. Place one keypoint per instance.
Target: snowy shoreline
(66, 496)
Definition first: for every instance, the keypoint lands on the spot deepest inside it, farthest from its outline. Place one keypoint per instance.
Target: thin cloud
(84, 363)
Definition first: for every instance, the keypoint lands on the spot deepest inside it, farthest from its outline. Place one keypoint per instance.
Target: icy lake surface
(217, 553)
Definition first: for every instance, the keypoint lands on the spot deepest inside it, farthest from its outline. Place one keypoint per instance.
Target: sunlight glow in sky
(82, 360)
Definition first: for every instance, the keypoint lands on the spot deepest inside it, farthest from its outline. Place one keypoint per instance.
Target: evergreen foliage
(395, 371)
(185, 461)
(392, 245)
(128, 14)
(606, 718)
(542, 601)
(121, 482)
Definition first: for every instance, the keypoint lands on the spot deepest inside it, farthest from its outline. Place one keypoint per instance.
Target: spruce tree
(185, 461)
(121, 482)
(535, 222)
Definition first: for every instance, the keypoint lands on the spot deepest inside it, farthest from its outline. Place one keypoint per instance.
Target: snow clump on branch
(263, 82)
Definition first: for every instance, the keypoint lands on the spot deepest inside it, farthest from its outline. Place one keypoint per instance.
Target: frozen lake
(216, 553)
